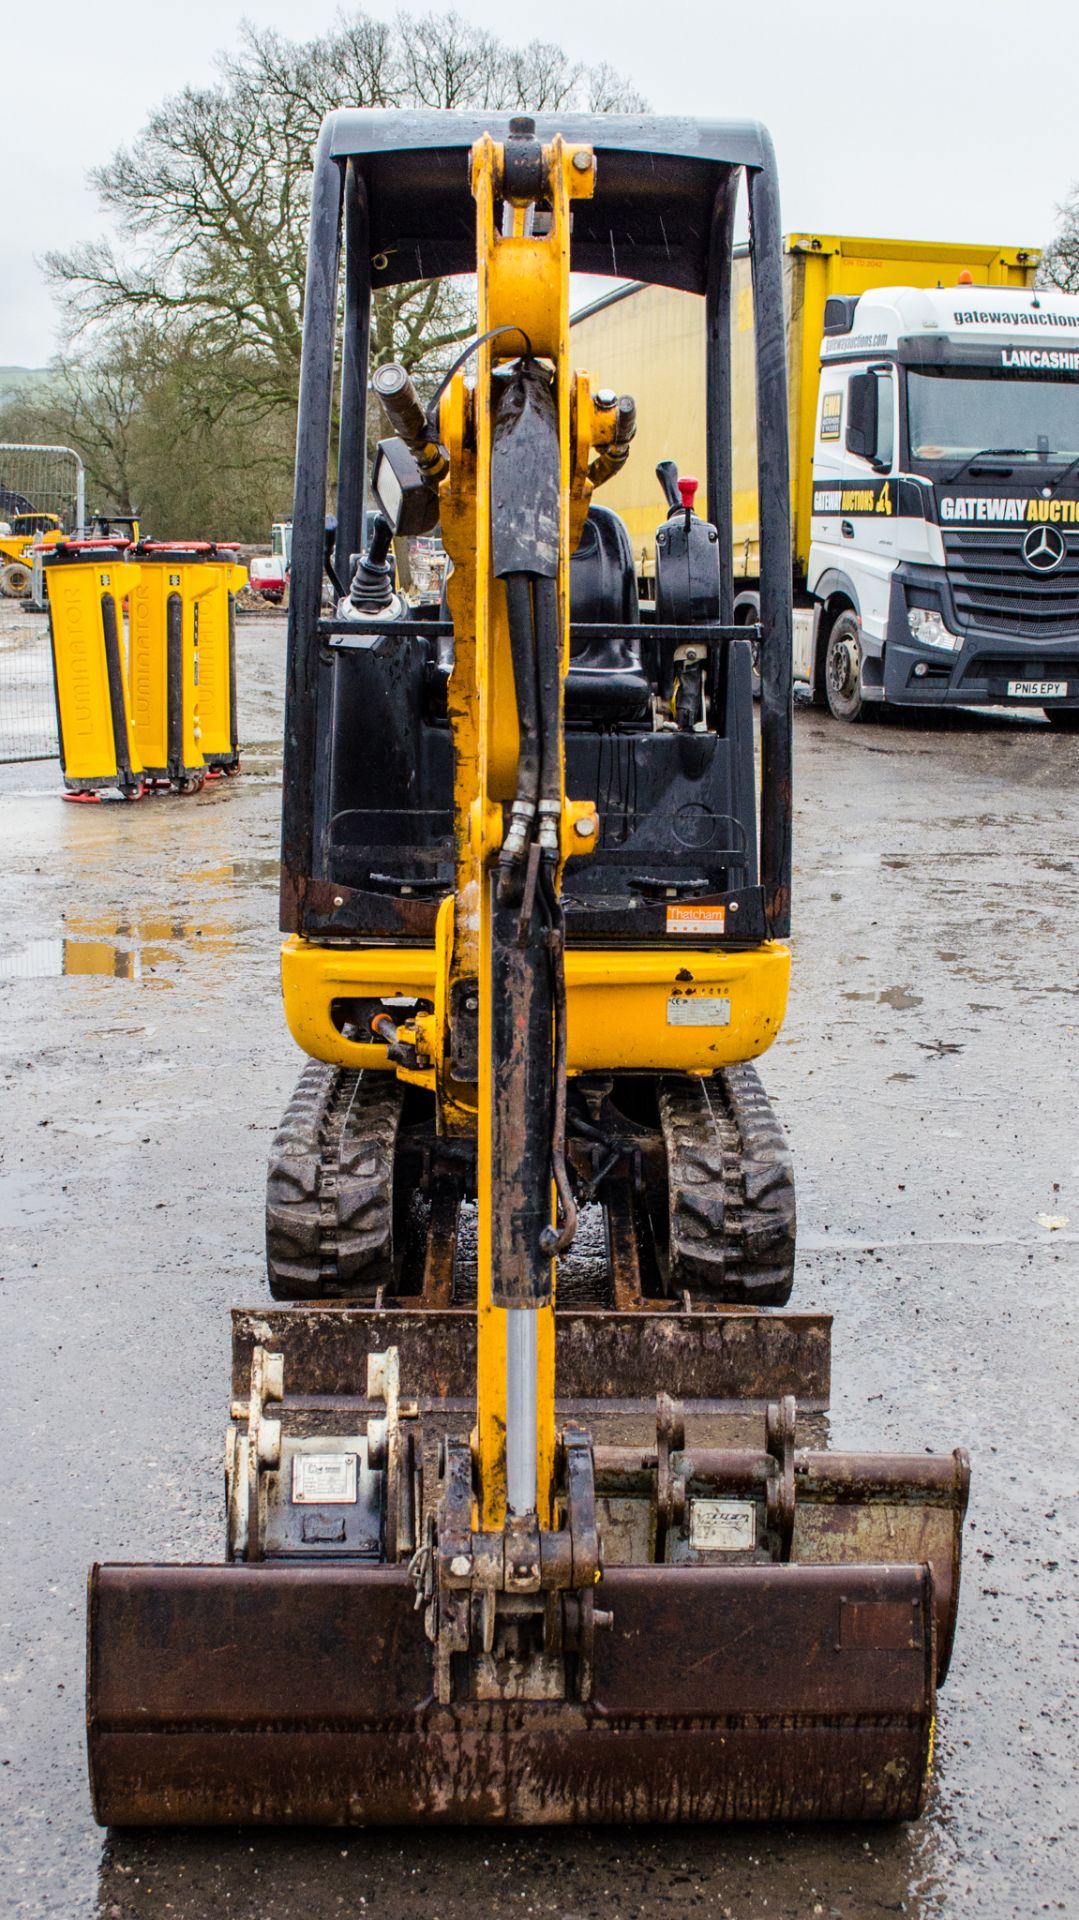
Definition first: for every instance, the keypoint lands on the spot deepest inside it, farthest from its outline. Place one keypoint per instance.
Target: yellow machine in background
(27, 531)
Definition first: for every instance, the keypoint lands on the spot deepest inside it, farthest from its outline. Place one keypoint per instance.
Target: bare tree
(160, 436)
(1060, 261)
(211, 201)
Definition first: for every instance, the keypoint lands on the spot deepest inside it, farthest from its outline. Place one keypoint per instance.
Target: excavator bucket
(519, 1532)
(763, 1693)
(765, 1643)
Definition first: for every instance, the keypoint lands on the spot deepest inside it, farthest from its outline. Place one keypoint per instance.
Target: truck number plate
(1038, 689)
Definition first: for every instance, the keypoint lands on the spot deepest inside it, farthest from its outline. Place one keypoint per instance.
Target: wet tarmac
(927, 1076)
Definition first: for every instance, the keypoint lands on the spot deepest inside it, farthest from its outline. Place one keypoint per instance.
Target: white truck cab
(944, 556)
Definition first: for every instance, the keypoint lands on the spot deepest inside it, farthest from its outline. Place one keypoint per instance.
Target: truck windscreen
(953, 413)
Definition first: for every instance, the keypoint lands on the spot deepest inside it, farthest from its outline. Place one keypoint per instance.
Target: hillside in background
(23, 379)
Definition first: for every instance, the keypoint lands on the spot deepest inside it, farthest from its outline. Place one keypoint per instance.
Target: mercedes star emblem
(1044, 549)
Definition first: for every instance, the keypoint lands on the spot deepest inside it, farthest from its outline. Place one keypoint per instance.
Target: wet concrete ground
(927, 1075)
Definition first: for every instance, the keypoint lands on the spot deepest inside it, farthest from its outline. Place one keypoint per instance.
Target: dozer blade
(269, 1694)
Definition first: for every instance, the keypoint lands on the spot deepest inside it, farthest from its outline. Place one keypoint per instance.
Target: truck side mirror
(862, 415)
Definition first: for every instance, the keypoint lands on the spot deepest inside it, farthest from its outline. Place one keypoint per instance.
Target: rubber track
(329, 1188)
(730, 1189)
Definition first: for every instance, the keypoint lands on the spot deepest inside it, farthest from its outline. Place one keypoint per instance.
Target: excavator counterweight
(529, 1517)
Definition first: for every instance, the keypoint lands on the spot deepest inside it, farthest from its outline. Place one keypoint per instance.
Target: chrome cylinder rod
(521, 1323)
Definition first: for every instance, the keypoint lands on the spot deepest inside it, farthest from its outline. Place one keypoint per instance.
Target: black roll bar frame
(353, 165)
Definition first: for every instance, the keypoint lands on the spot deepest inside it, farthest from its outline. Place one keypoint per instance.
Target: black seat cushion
(606, 684)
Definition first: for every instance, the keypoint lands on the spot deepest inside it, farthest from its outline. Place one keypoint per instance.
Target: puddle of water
(50, 959)
(900, 998)
(116, 949)
(245, 872)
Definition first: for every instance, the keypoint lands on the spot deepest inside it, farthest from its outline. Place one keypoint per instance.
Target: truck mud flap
(275, 1695)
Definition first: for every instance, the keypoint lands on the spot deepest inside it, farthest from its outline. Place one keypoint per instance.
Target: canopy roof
(650, 218)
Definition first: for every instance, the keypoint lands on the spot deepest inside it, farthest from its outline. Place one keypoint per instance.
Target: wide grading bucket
(769, 1629)
(279, 1694)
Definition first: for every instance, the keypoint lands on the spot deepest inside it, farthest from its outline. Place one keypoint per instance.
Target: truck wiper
(1061, 477)
(985, 454)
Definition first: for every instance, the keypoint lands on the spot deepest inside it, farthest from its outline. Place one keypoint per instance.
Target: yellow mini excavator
(519, 1528)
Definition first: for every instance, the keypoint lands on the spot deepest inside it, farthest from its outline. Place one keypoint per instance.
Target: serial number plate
(324, 1479)
(698, 1010)
(722, 1526)
(1038, 689)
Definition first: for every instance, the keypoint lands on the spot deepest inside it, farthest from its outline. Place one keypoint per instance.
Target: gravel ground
(926, 1075)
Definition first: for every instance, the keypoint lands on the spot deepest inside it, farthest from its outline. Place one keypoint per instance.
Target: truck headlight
(928, 628)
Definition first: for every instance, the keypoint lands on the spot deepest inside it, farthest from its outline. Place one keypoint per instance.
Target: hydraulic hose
(549, 672)
(558, 1240)
(522, 627)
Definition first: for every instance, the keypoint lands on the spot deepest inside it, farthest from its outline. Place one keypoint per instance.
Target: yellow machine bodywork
(623, 1003)
(19, 544)
(456, 1590)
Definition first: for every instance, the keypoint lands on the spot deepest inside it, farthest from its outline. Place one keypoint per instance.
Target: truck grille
(993, 587)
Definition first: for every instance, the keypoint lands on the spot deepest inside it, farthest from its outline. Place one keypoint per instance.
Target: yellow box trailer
(650, 342)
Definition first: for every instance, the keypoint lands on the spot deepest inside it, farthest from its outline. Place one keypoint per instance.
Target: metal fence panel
(49, 479)
(27, 700)
(34, 480)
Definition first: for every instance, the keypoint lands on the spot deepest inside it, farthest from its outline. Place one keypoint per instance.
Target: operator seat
(606, 684)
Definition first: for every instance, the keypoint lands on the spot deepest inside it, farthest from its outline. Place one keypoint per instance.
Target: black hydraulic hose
(523, 644)
(549, 671)
(522, 632)
(557, 1240)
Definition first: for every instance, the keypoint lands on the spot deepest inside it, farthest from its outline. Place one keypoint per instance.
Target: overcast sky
(931, 119)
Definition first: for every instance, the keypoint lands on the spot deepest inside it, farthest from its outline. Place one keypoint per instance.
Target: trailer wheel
(843, 669)
(1063, 719)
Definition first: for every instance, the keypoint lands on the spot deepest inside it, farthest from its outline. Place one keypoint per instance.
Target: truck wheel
(1063, 719)
(843, 669)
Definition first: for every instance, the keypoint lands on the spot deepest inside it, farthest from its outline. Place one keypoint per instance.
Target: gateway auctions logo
(1033, 317)
(874, 498)
(1009, 510)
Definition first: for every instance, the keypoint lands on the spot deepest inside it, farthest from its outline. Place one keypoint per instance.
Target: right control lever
(667, 475)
